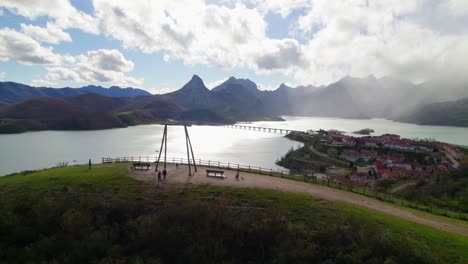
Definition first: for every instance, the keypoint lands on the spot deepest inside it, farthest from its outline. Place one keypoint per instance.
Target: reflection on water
(37, 150)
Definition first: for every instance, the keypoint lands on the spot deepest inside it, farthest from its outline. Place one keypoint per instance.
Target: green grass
(73, 214)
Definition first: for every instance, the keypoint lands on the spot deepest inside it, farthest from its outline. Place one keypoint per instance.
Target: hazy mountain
(452, 113)
(242, 96)
(11, 92)
(234, 100)
(286, 100)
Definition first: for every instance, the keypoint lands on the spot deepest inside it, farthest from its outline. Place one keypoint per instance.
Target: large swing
(188, 144)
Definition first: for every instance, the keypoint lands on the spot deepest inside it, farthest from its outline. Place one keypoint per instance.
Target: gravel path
(179, 176)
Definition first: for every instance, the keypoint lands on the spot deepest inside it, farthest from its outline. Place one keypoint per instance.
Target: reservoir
(37, 150)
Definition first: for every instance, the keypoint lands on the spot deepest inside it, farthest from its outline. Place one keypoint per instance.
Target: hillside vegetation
(92, 111)
(72, 215)
(448, 190)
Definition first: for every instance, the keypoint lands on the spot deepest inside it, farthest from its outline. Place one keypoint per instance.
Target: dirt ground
(178, 177)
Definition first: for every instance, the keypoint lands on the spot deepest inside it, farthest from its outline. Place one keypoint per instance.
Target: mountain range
(11, 92)
(94, 107)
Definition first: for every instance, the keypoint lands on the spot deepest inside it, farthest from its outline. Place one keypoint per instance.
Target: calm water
(454, 135)
(36, 150)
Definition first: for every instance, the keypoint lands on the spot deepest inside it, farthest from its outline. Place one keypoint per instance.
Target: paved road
(179, 177)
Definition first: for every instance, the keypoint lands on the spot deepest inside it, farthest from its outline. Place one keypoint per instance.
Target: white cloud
(17, 46)
(41, 83)
(64, 14)
(162, 90)
(188, 30)
(283, 7)
(100, 66)
(109, 60)
(376, 37)
(2, 76)
(458, 7)
(331, 38)
(50, 34)
(264, 87)
(213, 84)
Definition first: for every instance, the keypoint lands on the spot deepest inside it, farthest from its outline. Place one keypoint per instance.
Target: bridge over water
(262, 129)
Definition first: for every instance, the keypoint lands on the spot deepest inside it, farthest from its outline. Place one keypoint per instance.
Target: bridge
(263, 129)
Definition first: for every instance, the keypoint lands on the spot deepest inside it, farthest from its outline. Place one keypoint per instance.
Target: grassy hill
(72, 215)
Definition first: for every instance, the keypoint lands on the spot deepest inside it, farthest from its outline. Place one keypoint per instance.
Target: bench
(141, 165)
(215, 173)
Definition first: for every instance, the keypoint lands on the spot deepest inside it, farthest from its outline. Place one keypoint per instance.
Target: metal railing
(392, 198)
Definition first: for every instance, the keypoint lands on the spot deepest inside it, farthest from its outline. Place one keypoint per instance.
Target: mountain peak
(196, 78)
(234, 83)
(195, 84)
(283, 86)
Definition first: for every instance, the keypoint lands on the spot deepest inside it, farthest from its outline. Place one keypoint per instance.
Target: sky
(159, 45)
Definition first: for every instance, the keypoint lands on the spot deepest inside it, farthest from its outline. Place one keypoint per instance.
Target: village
(384, 157)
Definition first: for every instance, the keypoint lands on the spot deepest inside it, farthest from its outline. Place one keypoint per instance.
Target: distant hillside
(93, 111)
(453, 113)
(11, 92)
(53, 114)
(239, 100)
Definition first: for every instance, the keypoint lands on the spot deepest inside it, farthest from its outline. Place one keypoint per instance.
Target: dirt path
(179, 176)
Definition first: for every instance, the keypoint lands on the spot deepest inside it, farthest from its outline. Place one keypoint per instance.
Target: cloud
(213, 84)
(41, 83)
(284, 7)
(413, 40)
(162, 90)
(191, 31)
(458, 7)
(283, 55)
(359, 38)
(64, 14)
(109, 60)
(100, 66)
(2, 76)
(50, 34)
(17, 46)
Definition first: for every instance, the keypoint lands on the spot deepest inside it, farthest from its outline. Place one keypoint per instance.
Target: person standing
(164, 173)
(89, 168)
(159, 176)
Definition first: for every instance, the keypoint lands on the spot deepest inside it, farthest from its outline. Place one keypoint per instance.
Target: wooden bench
(141, 165)
(215, 173)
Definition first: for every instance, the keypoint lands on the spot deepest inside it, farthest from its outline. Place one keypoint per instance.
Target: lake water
(36, 150)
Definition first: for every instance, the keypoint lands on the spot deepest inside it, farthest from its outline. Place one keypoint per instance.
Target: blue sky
(159, 45)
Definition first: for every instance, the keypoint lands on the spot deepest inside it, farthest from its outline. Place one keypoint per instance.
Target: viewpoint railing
(392, 198)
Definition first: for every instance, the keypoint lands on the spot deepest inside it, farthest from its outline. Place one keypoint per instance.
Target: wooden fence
(395, 199)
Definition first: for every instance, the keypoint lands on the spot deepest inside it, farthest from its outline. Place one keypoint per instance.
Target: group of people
(164, 174)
